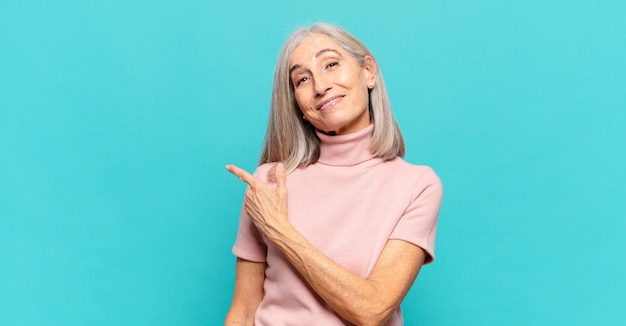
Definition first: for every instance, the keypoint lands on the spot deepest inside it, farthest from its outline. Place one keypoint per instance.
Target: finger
(271, 173)
(242, 174)
(281, 178)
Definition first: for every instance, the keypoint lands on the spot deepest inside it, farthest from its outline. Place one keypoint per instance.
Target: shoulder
(421, 171)
(265, 172)
(422, 176)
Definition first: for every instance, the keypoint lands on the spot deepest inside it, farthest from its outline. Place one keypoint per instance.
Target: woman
(335, 225)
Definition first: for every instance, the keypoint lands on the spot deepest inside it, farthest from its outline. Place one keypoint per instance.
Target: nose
(321, 85)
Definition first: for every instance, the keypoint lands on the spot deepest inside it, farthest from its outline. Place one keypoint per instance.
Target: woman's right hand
(266, 205)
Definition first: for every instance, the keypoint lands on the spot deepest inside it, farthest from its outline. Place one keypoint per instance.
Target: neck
(346, 150)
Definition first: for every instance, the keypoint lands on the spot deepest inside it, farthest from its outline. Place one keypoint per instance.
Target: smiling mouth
(330, 102)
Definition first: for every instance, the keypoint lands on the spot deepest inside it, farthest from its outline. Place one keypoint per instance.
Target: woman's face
(330, 86)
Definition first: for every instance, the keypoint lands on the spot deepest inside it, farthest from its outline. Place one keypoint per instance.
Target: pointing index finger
(242, 174)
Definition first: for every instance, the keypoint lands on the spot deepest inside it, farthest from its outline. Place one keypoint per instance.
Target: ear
(371, 68)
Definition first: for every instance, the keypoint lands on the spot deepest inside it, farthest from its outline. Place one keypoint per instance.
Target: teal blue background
(117, 118)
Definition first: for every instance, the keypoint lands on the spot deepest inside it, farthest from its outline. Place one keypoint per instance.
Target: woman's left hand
(266, 206)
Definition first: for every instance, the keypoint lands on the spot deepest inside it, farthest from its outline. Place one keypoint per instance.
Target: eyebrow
(319, 53)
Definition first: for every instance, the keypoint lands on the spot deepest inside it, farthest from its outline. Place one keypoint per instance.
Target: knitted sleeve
(418, 224)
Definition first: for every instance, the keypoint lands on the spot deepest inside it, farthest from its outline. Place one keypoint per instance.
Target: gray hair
(292, 140)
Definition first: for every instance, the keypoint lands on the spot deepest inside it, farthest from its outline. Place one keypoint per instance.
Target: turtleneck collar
(346, 150)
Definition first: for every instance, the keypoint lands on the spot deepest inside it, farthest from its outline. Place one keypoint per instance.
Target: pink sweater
(347, 204)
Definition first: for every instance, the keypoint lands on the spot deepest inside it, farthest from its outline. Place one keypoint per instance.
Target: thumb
(281, 178)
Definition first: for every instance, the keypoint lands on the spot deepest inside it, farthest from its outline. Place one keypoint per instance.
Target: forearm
(360, 301)
(239, 318)
(241, 313)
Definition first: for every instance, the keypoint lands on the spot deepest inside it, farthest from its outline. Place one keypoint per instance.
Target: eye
(332, 64)
(301, 80)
